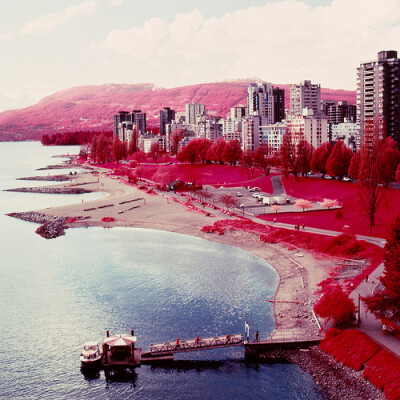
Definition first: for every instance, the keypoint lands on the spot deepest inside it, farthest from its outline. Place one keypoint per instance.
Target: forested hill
(90, 108)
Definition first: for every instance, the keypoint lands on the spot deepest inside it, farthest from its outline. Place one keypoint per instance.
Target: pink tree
(304, 204)
(328, 203)
(334, 304)
(276, 208)
(164, 175)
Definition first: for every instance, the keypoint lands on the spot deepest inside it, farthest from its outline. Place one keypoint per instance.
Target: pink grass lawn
(315, 189)
(347, 193)
(214, 174)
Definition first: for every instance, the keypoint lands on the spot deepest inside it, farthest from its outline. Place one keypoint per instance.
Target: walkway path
(368, 323)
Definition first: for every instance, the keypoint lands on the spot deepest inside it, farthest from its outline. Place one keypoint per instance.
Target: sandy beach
(129, 206)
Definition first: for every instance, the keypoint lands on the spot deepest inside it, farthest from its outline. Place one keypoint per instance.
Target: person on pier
(246, 332)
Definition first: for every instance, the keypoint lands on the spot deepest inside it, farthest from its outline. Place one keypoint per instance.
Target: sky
(47, 45)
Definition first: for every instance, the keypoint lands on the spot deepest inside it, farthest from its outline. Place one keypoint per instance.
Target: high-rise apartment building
(305, 95)
(378, 96)
(238, 112)
(139, 120)
(166, 117)
(279, 104)
(308, 127)
(341, 112)
(122, 116)
(266, 101)
(193, 111)
(260, 101)
(136, 118)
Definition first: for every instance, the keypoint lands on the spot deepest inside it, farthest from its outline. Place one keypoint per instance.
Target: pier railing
(289, 336)
(196, 344)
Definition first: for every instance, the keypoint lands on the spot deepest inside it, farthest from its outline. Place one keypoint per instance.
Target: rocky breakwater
(51, 227)
(54, 178)
(335, 380)
(51, 190)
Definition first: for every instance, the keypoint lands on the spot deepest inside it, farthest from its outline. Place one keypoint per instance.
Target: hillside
(92, 107)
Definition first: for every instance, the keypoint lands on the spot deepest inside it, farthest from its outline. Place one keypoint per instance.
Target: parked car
(346, 179)
(238, 194)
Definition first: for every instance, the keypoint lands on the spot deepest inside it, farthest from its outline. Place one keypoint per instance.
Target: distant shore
(128, 206)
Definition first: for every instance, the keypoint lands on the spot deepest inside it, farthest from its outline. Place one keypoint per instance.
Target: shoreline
(299, 272)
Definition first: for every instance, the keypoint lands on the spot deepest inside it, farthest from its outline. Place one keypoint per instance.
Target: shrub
(108, 219)
(212, 229)
(335, 303)
(351, 347)
(383, 370)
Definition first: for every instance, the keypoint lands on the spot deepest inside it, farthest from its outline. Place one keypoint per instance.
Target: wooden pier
(120, 351)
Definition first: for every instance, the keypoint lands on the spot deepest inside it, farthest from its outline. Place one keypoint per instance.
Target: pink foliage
(213, 229)
(354, 220)
(328, 203)
(383, 370)
(303, 204)
(335, 303)
(276, 208)
(351, 347)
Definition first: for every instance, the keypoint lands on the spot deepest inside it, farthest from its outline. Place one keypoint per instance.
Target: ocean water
(56, 294)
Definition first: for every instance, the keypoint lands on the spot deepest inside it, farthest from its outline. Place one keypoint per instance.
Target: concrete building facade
(305, 95)
(166, 117)
(378, 96)
(310, 128)
(193, 111)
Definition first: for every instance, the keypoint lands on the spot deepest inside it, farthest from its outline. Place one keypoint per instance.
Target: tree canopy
(339, 161)
(386, 302)
(320, 157)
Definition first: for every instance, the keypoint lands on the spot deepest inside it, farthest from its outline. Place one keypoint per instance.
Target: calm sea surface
(56, 294)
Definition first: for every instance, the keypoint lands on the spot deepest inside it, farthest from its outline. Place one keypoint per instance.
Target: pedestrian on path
(366, 278)
(256, 336)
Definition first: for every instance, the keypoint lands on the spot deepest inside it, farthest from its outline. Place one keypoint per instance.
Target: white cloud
(7, 36)
(283, 41)
(115, 3)
(49, 22)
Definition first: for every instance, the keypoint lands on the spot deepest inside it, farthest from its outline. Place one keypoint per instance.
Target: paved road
(277, 186)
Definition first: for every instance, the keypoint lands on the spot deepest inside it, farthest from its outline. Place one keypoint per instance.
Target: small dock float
(120, 351)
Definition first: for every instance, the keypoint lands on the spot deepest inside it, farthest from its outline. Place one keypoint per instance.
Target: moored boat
(91, 355)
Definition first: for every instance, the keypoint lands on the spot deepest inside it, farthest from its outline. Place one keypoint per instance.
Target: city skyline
(48, 47)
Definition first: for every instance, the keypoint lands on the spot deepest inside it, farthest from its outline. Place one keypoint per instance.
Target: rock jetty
(51, 227)
(52, 178)
(51, 190)
(335, 380)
